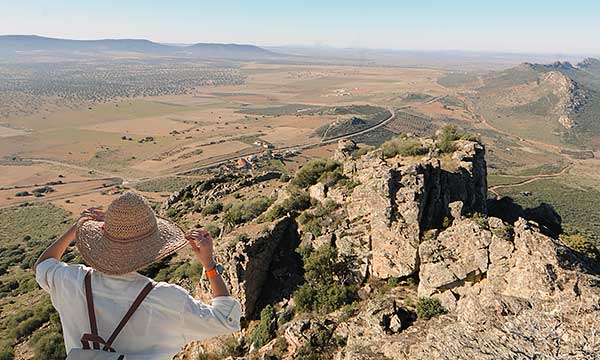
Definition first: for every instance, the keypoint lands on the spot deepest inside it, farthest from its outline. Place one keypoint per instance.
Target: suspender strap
(142, 295)
(90, 306)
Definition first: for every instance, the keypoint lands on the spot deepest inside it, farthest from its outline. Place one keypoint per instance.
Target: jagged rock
(529, 306)
(512, 291)
(456, 209)
(344, 150)
(318, 191)
(249, 264)
(399, 202)
(373, 333)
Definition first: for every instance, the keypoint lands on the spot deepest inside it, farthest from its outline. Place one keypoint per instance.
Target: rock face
(525, 301)
(394, 204)
(263, 268)
(572, 97)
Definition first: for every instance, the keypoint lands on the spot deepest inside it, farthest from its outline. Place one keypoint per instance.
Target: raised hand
(93, 213)
(202, 243)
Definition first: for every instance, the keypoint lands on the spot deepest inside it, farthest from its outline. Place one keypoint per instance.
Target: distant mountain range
(18, 44)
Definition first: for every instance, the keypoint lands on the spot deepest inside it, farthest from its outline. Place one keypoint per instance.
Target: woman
(115, 245)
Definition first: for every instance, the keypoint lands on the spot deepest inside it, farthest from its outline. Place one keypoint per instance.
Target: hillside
(381, 254)
(556, 103)
(38, 45)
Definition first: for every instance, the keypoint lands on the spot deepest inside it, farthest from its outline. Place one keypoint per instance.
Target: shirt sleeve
(51, 274)
(201, 321)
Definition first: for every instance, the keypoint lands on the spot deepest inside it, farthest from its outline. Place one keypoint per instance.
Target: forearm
(218, 286)
(58, 248)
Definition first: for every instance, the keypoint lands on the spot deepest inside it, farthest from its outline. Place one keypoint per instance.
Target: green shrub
(310, 173)
(213, 230)
(326, 285)
(446, 222)
(6, 351)
(390, 284)
(446, 138)
(213, 208)
(428, 308)
(470, 137)
(314, 221)
(330, 178)
(403, 146)
(321, 345)
(449, 134)
(284, 178)
(49, 346)
(264, 332)
(358, 153)
(582, 245)
(243, 237)
(39, 316)
(504, 232)
(481, 220)
(242, 212)
(171, 213)
(298, 201)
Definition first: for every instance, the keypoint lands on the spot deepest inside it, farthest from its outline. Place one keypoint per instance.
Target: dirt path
(530, 180)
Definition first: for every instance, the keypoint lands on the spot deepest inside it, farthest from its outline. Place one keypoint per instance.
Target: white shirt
(167, 319)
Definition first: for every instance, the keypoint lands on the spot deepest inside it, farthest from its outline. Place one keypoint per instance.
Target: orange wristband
(212, 273)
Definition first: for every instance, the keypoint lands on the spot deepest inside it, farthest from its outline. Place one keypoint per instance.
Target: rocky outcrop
(571, 97)
(261, 268)
(525, 300)
(512, 289)
(395, 203)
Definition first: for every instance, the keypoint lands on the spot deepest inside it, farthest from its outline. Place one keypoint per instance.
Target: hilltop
(392, 253)
(18, 44)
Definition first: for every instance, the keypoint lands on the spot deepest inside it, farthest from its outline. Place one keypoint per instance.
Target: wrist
(208, 264)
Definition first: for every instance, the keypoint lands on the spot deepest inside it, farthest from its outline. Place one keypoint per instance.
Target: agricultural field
(151, 132)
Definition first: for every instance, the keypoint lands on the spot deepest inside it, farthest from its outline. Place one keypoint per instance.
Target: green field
(578, 206)
(27, 315)
(166, 184)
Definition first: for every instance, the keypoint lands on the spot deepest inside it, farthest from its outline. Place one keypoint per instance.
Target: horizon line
(326, 46)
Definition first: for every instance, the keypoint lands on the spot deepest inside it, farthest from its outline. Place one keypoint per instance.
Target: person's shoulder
(52, 272)
(161, 287)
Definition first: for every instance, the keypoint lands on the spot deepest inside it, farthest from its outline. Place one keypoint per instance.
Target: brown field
(63, 191)
(37, 174)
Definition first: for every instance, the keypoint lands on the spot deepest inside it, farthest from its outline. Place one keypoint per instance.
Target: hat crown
(129, 218)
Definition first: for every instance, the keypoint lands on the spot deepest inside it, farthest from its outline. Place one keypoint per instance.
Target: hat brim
(118, 258)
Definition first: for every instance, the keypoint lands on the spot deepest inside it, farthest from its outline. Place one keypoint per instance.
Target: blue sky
(509, 25)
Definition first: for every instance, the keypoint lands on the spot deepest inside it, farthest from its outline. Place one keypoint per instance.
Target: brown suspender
(94, 338)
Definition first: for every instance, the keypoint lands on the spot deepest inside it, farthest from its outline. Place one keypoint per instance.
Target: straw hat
(130, 238)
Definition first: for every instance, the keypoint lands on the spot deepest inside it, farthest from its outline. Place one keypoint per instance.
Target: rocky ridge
(572, 97)
(422, 225)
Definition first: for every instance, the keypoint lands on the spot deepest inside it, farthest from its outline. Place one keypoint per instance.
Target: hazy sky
(508, 25)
